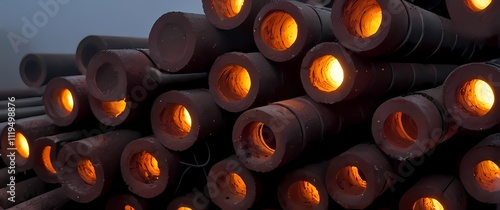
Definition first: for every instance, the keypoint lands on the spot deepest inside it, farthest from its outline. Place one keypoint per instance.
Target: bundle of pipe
(21, 103)
(38, 69)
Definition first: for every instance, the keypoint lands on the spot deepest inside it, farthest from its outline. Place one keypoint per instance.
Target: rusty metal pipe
(23, 191)
(127, 202)
(47, 201)
(20, 93)
(23, 102)
(38, 69)
(188, 201)
(20, 113)
(233, 15)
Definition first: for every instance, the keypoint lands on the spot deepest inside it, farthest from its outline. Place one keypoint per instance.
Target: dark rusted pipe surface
(89, 168)
(21, 113)
(147, 167)
(23, 191)
(91, 45)
(233, 14)
(38, 69)
(46, 201)
(357, 177)
(127, 202)
(20, 93)
(437, 7)
(284, 30)
(189, 201)
(330, 73)
(240, 81)
(22, 102)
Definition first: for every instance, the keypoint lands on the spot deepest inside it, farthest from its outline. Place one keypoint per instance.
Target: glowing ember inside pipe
(176, 120)
(87, 171)
(147, 166)
(65, 100)
(401, 129)
(326, 73)
(304, 193)
(261, 138)
(184, 208)
(128, 207)
(487, 175)
(427, 204)
(114, 108)
(279, 30)
(22, 146)
(47, 162)
(351, 180)
(227, 8)
(234, 82)
(478, 5)
(362, 18)
(235, 186)
(477, 97)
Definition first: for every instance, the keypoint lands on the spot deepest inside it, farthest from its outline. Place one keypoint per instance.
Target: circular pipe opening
(227, 8)
(304, 194)
(22, 145)
(233, 187)
(478, 5)
(145, 167)
(234, 82)
(87, 53)
(33, 71)
(477, 97)
(351, 180)
(362, 18)
(400, 130)
(326, 73)
(86, 171)
(106, 78)
(114, 108)
(279, 30)
(260, 140)
(64, 101)
(176, 120)
(128, 207)
(487, 175)
(427, 204)
(47, 161)
(184, 208)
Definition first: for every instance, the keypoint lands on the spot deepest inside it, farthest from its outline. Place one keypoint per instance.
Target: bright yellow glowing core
(66, 100)
(234, 82)
(86, 171)
(128, 207)
(427, 204)
(146, 166)
(279, 30)
(400, 130)
(362, 18)
(304, 193)
(114, 108)
(487, 174)
(47, 161)
(326, 73)
(227, 8)
(478, 5)
(477, 97)
(184, 208)
(351, 180)
(22, 146)
(176, 120)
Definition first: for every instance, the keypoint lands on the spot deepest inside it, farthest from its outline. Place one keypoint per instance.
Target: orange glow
(477, 97)
(65, 100)
(184, 208)
(260, 139)
(362, 18)
(326, 73)
(237, 186)
(487, 174)
(427, 204)
(114, 108)
(47, 162)
(22, 146)
(227, 8)
(478, 5)
(176, 120)
(234, 82)
(351, 180)
(304, 193)
(86, 171)
(129, 207)
(400, 129)
(279, 30)
(146, 166)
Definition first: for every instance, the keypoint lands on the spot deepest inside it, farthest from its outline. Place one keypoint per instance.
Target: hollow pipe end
(106, 74)
(33, 70)
(466, 19)
(195, 201)
(38, 163)
(303, 190)
(110, 113)
(223, 15)
(55, 102)
(22, 163)
(87, 48)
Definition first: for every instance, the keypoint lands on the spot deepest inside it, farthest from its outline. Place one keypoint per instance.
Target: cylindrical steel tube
(186, 202)
(409, 126)
(23, 191)
(91, 45)
(480, 172)
(147, 167)
(233, 14)
(38, 69)
(22, 102)
(88, 168)
(357, 177)
(113, 113)
(127, 202)
(20, 93)
(240, 81)
(399, 30)
(47, 201)
(470, 93)
(45, 150)
(330, 73)
(435, 192)
(20, 113)
(285, 30)
(66, 100)
(187, 42)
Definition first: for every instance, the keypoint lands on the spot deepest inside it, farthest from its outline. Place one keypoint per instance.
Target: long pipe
(38, 69)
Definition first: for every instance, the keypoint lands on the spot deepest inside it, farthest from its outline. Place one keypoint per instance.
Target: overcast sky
(74, 20)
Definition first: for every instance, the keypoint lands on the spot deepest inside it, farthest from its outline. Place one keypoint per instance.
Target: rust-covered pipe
(23, 191)
(330, 73)
(127, 202)
(435, 192)
(304, 188)
(147, 167)
(399, 30)
(411, 125)
(268, 137)
(20, 113)
(45, 150)
(180, 118)
(20, 93)
(89, 168)
(186, 202)
(51, 200)
(38, 69)
(470, 95)
(186, 42)
(233, 14)
(18, 139)
(22, 102)
(480, 172)
(91, 45)
(66, 100)
(284, 30)
(240, 81)
(358, 176)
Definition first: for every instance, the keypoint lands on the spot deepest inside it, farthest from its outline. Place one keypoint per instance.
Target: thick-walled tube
(113, 113)
(38, 69)
(233, 14)
(24, 112)
(127, 202)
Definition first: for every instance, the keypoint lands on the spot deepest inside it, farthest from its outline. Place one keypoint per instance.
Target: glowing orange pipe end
(22, 146)
(47, 162)
(86, 171)
(326, 73)
(427, 204)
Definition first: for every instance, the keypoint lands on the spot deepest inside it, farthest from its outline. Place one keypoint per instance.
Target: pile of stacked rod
(268, 104)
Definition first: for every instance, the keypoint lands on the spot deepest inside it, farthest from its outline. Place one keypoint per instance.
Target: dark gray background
(75, 20)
